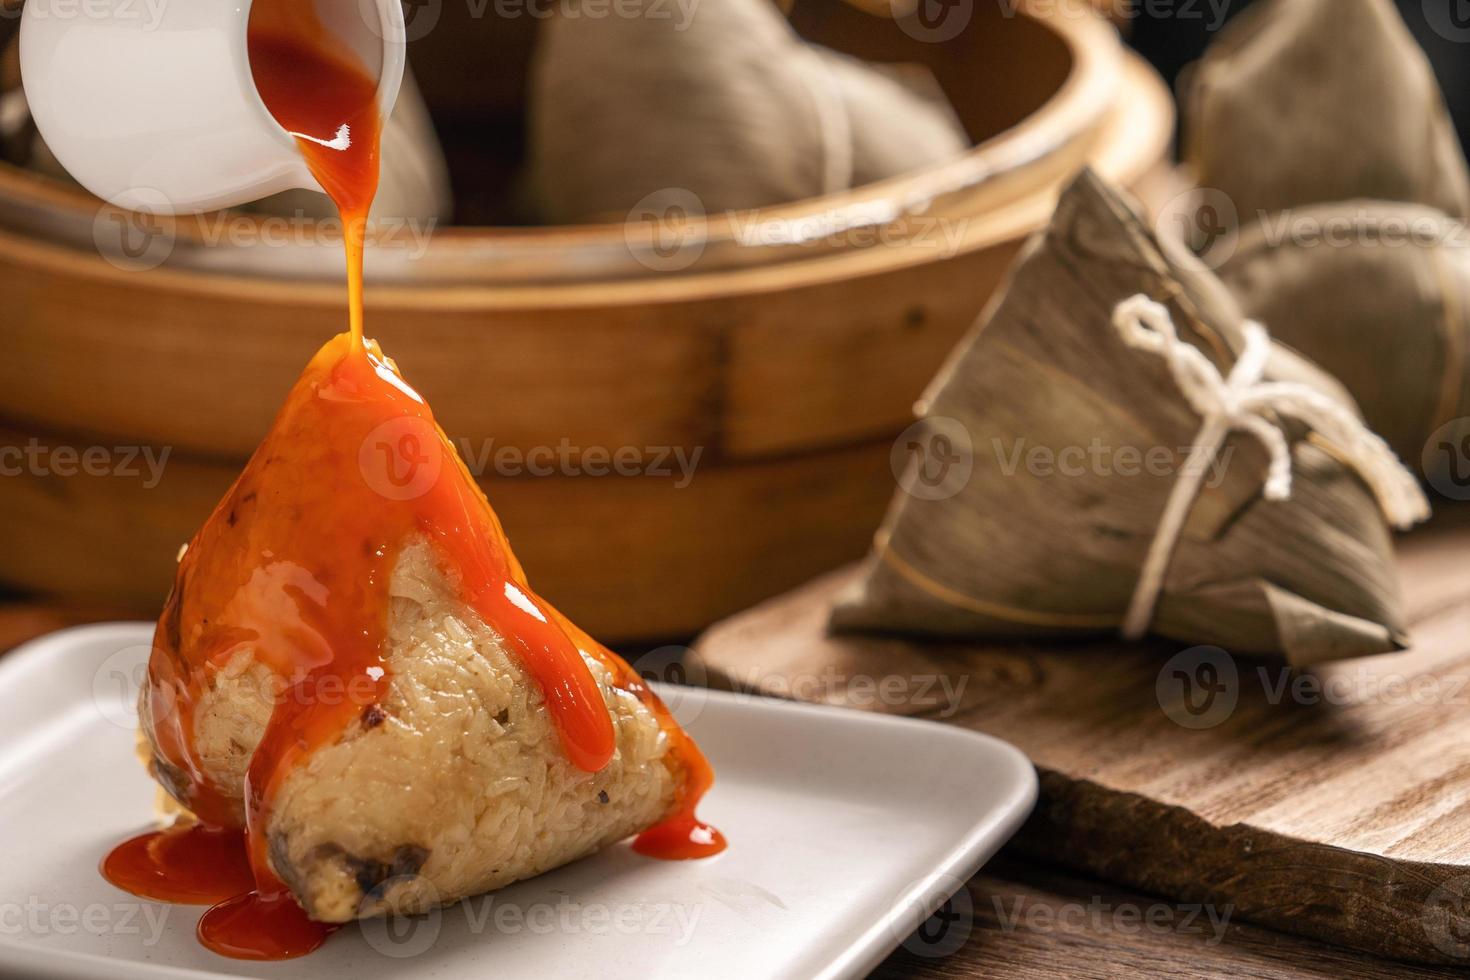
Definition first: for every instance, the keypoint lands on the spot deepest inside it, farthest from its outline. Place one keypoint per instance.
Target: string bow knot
(1243, 402)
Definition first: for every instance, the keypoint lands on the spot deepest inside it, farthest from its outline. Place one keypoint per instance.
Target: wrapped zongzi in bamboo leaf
(727, 103)
(1111, 390)
(1378, 294)
(1305, 101)
(1331, 101)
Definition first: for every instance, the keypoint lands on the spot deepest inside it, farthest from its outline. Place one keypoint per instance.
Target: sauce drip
(294, 565)
(318, 90)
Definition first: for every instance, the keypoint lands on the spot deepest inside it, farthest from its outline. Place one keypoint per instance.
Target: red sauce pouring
(294, 565)
(320, 93)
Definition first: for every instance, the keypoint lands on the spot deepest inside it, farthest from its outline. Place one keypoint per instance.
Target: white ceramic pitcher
(151, 104)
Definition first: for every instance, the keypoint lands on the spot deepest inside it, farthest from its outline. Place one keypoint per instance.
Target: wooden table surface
(1022, 920)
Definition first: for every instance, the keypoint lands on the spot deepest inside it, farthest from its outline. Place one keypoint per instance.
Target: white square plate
(846, 830)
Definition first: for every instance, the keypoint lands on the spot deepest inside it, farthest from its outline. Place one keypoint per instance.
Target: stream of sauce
(294, 567)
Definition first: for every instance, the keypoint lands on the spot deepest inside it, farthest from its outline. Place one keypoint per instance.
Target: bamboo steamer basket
(789, 366)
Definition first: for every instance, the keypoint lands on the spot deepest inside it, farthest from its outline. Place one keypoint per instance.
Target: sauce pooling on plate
(294, 565)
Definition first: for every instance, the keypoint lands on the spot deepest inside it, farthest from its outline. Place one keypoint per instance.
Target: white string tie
(1243, 402)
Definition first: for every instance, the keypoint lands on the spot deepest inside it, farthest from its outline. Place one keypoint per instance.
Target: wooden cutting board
(1331, 802)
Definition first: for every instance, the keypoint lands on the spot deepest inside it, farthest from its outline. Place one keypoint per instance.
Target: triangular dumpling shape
(353, 667)
(1388, 313)
(1075, 441)
(1320, 125)
(1306, 101)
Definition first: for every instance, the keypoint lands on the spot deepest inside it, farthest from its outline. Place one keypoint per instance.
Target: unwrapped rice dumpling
(1064, 442)
(353, 669)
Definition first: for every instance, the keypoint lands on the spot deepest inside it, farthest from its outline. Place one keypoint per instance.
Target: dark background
(1172, 41)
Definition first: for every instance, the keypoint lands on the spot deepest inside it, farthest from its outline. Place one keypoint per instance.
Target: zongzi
(1080, 410)
(731, 106)
(353, 670)
(1385, 311)
(1333, 204)
(1304, 101)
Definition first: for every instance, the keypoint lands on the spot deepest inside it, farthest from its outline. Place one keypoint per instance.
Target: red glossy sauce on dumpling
(294, 567)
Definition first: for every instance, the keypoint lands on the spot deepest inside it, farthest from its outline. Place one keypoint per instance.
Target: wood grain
(1031, 922)
(538, 335)
(1018, 920)
(725, 372)
(637, 557)
(1333, 802)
